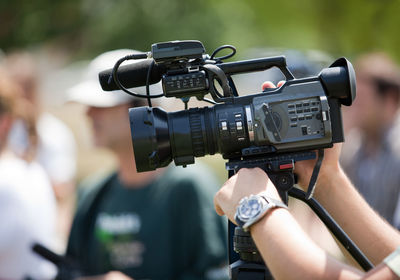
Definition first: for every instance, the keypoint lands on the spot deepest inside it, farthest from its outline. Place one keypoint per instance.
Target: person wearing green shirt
(151, 225)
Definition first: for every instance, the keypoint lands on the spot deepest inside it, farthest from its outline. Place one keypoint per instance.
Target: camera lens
(158, 136)
(150, 136)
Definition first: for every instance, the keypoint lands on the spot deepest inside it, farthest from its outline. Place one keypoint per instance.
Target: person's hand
(112, 275)
(244, 183)
(330, 166)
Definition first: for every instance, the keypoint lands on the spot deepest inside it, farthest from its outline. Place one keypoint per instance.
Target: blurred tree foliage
(85, 28)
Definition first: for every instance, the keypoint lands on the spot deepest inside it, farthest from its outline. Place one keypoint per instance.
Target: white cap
(89, 92)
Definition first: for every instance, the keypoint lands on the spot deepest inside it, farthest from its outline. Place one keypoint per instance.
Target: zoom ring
(196, 134)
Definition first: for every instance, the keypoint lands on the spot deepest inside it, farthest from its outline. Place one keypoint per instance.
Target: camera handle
(280, 171)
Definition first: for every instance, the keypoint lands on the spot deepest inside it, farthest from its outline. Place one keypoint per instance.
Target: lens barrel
(150, 135)
(159, 137)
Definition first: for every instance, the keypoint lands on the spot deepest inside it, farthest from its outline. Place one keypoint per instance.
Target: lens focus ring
(196, 134)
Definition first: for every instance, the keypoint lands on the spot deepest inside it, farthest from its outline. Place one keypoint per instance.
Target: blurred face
(368, 106)
(110, 126)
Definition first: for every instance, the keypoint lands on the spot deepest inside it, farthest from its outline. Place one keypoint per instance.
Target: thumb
(218, 209)
(267, 84)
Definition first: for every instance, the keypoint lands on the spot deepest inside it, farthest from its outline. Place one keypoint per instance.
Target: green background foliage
(85, 28)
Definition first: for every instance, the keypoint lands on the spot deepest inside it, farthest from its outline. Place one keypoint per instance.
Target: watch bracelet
(268, 200)
(393, 261)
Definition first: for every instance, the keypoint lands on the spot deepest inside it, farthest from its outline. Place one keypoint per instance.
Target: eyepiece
(340, 81)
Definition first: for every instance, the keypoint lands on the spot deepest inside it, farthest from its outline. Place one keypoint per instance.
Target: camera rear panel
(293, 121)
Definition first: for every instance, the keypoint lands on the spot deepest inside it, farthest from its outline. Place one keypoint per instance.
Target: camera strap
(314, 176)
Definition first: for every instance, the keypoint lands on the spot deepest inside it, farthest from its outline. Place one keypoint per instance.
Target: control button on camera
(239, 126)
(224, 126)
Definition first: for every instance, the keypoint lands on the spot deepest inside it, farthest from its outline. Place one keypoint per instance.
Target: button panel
(302, 113)
(298, 110)
(232, 126)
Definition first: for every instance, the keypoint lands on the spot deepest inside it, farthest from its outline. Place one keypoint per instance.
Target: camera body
(295, 117)
(275, 127)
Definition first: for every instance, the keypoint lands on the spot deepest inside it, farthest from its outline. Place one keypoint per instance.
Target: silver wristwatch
(251, 209)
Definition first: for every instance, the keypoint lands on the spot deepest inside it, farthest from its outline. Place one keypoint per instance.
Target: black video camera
(270, 129)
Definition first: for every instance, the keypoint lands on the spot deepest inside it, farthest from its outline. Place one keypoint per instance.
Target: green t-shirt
(165, 230)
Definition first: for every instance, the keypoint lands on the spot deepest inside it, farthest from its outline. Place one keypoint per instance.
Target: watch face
(250, 209)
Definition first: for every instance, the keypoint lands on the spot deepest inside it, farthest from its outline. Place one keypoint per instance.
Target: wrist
(267, 221)
(329, 179)
(252, 209)
(327, 172)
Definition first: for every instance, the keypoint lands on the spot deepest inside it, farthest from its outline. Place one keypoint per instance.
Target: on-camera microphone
(132, 75)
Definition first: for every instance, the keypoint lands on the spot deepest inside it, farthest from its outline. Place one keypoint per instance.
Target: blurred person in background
(27, 202)
(151, 225)
(371, 153)
(56, 144)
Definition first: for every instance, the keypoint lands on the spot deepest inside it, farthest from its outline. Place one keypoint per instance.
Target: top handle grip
(259, 64)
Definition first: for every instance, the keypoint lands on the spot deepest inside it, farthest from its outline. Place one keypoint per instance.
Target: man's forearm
(291, 254)
(375, 237)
